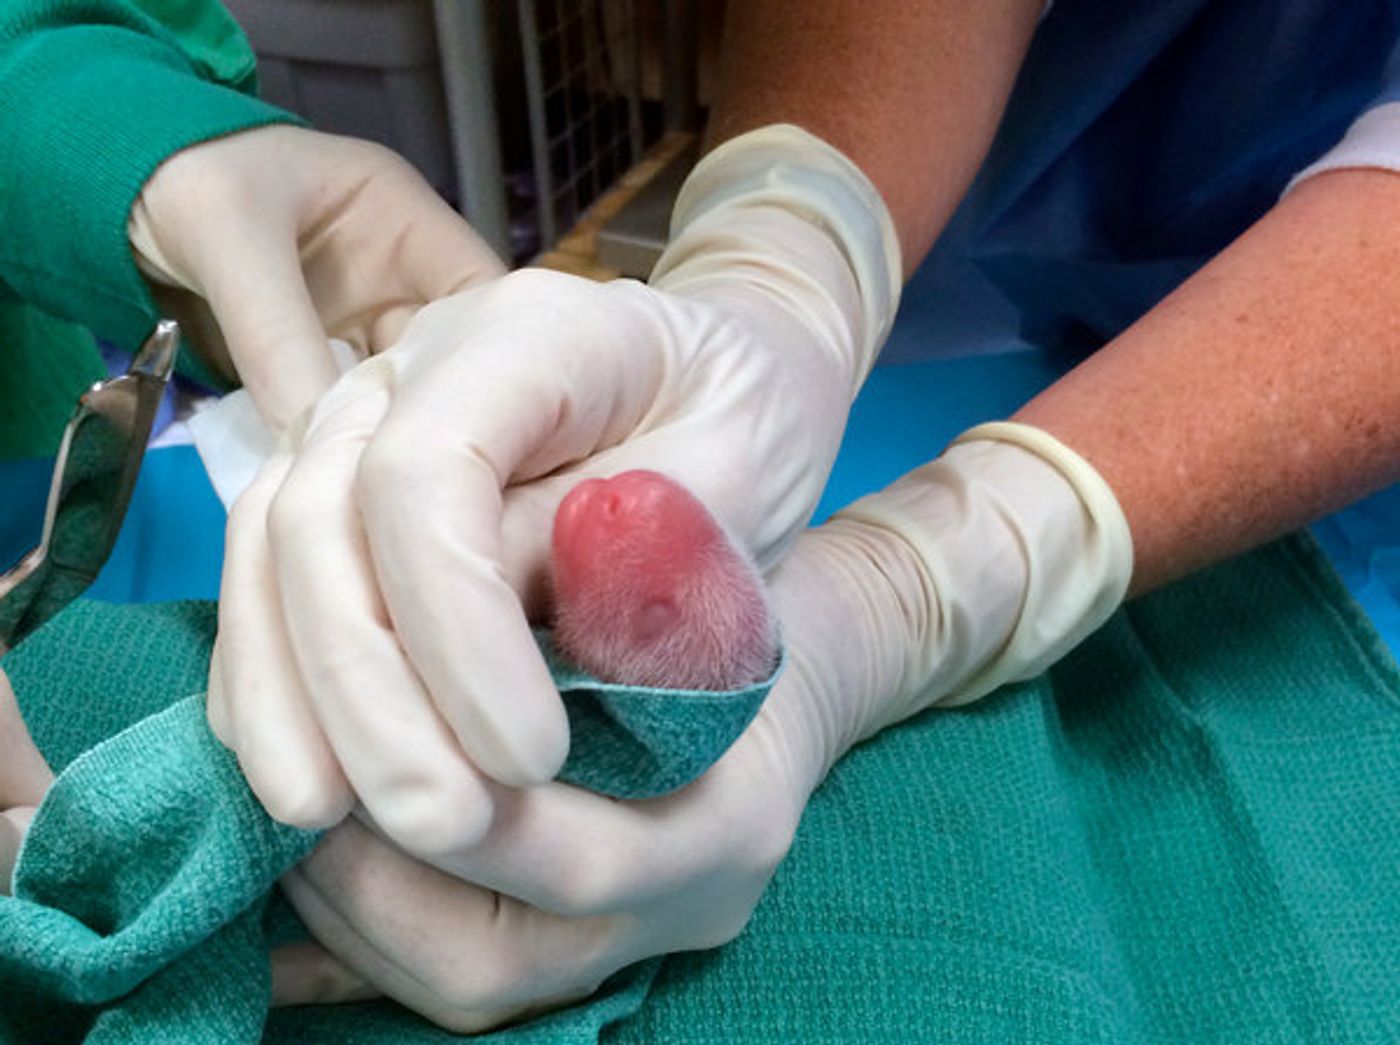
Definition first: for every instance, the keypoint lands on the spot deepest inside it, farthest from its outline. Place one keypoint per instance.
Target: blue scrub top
(1140, 139)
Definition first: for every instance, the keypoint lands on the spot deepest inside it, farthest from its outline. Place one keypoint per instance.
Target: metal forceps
(93, 477)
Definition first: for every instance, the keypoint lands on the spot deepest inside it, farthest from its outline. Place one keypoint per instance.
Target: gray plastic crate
(522, 113)
(368, 68)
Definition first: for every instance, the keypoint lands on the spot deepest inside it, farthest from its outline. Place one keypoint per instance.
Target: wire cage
(520, 113)
(580, 90)
(582, 65)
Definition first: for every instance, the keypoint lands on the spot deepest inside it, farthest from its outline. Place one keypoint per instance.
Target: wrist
(780, 214)
(1014, 550)
(842, 599)
(192, 188)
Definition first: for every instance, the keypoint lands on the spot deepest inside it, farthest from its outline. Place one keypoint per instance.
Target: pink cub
(650, 591)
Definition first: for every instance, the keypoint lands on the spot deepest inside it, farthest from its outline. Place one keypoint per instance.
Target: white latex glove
(381, 568)
(24, 777)
(266, 242)
(975, 570)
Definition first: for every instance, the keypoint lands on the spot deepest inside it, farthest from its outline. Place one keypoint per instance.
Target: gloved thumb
(306, 973)
(527, 524)
(241, 296)
(260, 301)
(24, 775)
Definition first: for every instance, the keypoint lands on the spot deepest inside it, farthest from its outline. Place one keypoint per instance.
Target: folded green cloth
(176, 855)
(1188, 830)
(639, 741)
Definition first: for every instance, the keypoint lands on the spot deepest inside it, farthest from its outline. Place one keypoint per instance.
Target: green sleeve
(96, 93)
(45, 363)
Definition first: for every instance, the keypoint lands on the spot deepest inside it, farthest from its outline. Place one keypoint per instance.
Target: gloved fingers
(368, 278)
(24, 774)
(434, 255)
(469, 638)
(400, 758)
(444, 256)
(14, 824)
(10, 840)
(432, 511)
(257, 702)
(577, 854)
(305, 973)
(199, 330)
(527, 527)
(541, 373)
(573, 853)
(552, 370)
(461, 955)
(216, 711)
(257, 292)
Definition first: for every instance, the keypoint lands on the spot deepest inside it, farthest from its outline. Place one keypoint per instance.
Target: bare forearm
(1261, 394)
(911, 92)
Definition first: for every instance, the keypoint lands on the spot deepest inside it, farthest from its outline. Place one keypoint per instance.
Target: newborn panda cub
(650, 591)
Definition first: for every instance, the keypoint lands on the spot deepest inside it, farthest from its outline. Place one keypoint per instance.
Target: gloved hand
(372, 633)
(977, 569)
(266, 242)
(24, 777)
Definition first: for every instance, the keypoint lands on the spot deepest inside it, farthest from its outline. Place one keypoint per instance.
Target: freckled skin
(649, 590)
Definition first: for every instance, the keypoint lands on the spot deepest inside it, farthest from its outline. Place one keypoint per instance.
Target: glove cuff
(1023, 551)
(782, 166)
(1074, 588)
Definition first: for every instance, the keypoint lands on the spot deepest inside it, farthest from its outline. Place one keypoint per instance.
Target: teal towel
(1188, 830)
(639, 741)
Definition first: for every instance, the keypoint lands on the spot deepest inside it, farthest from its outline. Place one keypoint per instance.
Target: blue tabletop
(171, 546)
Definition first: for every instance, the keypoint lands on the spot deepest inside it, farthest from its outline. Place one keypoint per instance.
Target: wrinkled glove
(978, 569)
(381, 569)
(266, 242)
